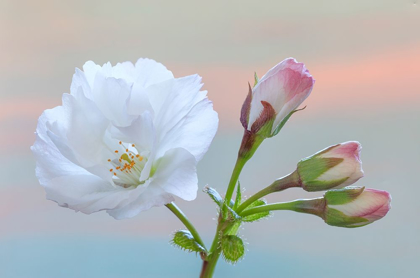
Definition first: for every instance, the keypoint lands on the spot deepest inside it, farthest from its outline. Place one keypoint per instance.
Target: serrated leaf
(214, 195)
(185, 240)
(231, 214)
(238, 197)
(233, 229)
(257, 216)
(232, 248)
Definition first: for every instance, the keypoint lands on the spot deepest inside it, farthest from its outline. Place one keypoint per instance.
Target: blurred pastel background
(365, 57)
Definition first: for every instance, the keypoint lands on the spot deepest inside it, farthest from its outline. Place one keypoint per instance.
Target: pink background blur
(365, 57)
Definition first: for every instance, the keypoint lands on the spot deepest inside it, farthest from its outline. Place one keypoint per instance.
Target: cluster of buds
(266, 109)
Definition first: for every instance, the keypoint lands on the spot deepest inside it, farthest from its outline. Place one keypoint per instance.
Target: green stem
(291, 180)
(249, 145)
(240, 163)
(210, 265)
(181, 216)
(311, 206)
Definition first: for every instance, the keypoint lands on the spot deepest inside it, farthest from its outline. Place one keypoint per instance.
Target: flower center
(127, 166)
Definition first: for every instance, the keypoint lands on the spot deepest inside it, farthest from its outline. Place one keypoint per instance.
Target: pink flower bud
(334, 167)
(352, 207)
(284, 88)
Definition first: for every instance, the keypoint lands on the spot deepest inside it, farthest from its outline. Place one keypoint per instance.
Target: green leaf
(233, 248)
(231, 215)
(185, 240)
(233, 229)
(280, 126)
(256, 79)
(257, 216)
(214, 195)
(238, 197)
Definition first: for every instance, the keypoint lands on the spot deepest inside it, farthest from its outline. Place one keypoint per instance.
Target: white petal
(90, 70)
(176, 174)
(175, 102)
(111, 96)
(149, 72)
(139, 102)
(194, 132)
(86, 193)
(141, 132)
(151, 197)
(80, 82)
(65, 182)
(124, 71)
(50, 163)
(85, 130)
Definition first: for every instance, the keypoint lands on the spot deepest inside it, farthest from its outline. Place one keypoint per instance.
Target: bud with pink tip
(334, 167)
(352, 207)
(275, 97)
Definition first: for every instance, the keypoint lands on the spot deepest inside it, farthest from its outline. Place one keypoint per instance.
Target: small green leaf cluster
(231, 244)
(233, 248)
(185, 241)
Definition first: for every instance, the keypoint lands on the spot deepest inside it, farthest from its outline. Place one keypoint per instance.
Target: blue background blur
(365, 56)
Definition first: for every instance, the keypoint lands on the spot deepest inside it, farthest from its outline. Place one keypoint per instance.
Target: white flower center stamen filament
(126, 168)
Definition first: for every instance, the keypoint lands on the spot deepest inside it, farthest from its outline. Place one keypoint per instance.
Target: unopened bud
(334, 167)
(352, 207)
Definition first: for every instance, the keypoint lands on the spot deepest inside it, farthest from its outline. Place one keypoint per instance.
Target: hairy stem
(181, 216)
(215, 250)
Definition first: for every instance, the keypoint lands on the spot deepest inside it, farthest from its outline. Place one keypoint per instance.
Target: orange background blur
(365, 57)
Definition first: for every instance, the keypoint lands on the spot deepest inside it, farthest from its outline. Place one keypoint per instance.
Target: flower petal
(372, 204)
(85, 192)
(50, 162)
(149, 72)
(176, 174)
(285, 87)
(183, 114)
(111, 96)
(152, 196)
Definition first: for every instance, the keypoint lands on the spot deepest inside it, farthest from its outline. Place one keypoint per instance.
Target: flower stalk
(184, 219)
(289, 181)
(310, 206)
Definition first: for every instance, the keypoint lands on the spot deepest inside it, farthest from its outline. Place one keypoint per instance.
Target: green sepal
(343, 196)
(265, 130)
(282, 123)
(214, 195)
(315, 185)
(257, 216)
(311, 168)
(238, 197)
(185, 240)
(256, 79)
(233, 248)
(337, 218)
